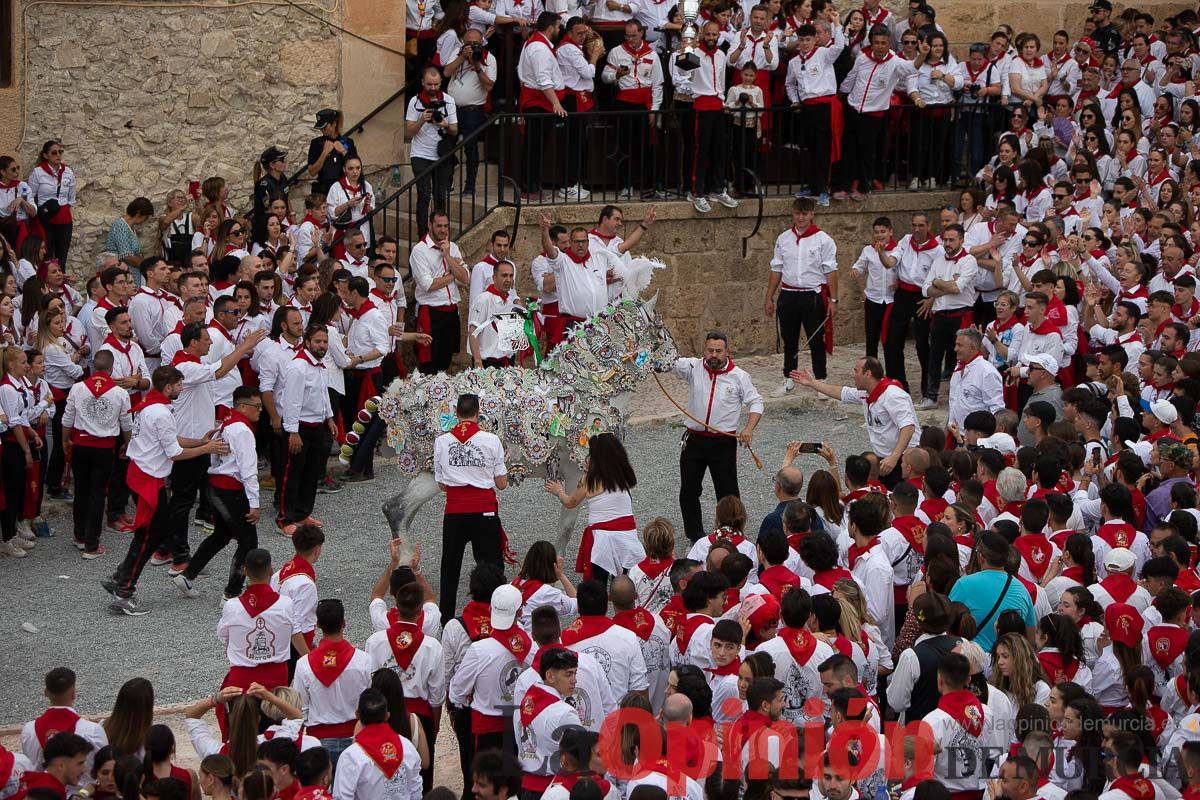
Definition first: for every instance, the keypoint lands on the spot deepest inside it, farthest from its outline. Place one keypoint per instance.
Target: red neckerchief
(1073, 573)
(1045, 329)
(732, 536)
(257, 598)
(731, 668)
(49, 170)
(1057, 668)
(465, 430)
(912, 528)
(98, 383)
(297, 565)
(639, 620)
(928, 244)
(1036, 552)
(41, 780)
(585, 627)
(1030, 194)
(405, 640)
(673, 613)
(329, 660)
(477, 620)
(880, 388)
(856, 552)
(779, 580)
(1166, 643)
(527, 587)
(1117, 533)
(828, 577)
(53, 722)
(184, 357)
(514, 640)
(871, 55)
(353, 191)
(653, 567)
(383, 746)
(800, 643)
(691, 624)
(386, 298)
(962, 365)
(152, 398)
(221, 329)
(536, 701)
(811, 230)
(491, 289)
(1135, 786)
(303, 355)
(568, 781)
(1193, 309)
(877, 19)
(577, 259)
(312, 793)
(357, 313)
(965, 709)
(1162, 176)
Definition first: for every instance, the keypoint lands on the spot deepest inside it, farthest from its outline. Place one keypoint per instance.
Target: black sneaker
(109, 585)
(60, 494)
(129, 606)
(356, 477)
(329, 486)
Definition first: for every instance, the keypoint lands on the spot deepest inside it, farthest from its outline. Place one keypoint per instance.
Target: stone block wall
(707, 282)
(147, 99)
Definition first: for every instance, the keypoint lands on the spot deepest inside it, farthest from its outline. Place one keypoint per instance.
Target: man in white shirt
(438, 270)
(367, 344)
(498, 248)
(975, 385)
(153, 310)
(330, 679)
(542, 90)
(617, 649)
(914, 256)
(869, 562)
(804, 271)
(483, 337)
(637, 72)
(717, 391)
(798, 654)
(577, 54)
(581, 274)
(811, 86)
(95, 417)
(950, 292)
(308, 428)
(155, 446)
(380, 763)
(892, 425)
(710, 154)
(963, 726)
(543, 712)
(118, 288)
(233, 485)
(469, 79)
(468, 464)
(355, 260)
(60, 717)
(431, 118)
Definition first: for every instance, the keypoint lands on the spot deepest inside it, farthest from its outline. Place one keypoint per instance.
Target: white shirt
(881, 281)
(578, 74)
(425, 677)
(811, 76)
(974, 387)
(427, 264)
(262, 639)
(337, 702)
(195, 414)
(155, 440)
(717, 397)
(914, 260)
(32, 748)
(961, 269)
(801, 682)
(222, 346)
(644, 79)
(870, 83)
(241, 462)
(303, 392)
(619, 652)
(948, 767)
(341, 192)
(359, 777)
(481, 323)
(424, 143)
(148, 313)
(103, 416)
(369, 331)
(127, 362)
(302, 591)
(538, 68)
(537, 742)
(593, 698)
(886, 416)
(485, 677)
(46, 185)
(708, 81)
(653, 594)
(582, 287)
(804, 261)
(873, 570)
(692, 789)
(431, 618)
(465, 86)
(476, 462)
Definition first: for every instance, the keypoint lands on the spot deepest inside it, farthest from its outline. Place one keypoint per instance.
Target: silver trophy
(687, 58)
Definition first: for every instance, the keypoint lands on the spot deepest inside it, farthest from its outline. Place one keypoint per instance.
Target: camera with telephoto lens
(438, 109)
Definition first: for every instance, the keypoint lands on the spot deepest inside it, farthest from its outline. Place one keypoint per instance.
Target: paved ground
(176, 647)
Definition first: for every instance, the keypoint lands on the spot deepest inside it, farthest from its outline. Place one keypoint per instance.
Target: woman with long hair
(52, 180)
(1143, 700)
(131, 717)
(216, 777)
(540, 570)
(1083, 728)
(273, 238)
(103, 773)
(256, 783)
(31, 303)
(242, 723)
(1017, 672)
(19, 449)
(63, 367)
(1117, 661)
(32, 255)
(1060, 651)
(160, 761)
(825, 497)
(204, 238)
(1062, 694)
(399, 719)
(230, 240)
(1078, 605)
(857, 625)
(127, 776)
(610, 543)
(755, 665)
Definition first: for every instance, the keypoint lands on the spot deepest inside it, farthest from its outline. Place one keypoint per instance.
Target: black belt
(472, 108)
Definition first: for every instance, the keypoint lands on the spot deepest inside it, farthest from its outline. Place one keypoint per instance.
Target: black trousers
(434, 185)
(302, 471)
(807, 309)
(576, 131)
(13, 471)
(904, 310)
(146, 540)
(431, 743)
(860, 149)
(632, 138)
(54, 470)
(686, 119)
(446, 330)
(118, 489)
(460, 718)
(873, 320)
(538, 126)
(230, 508)
(745, 155)
(931, 130)
(717, 455)
(482, 531)
(58, 241)
(91, 467)
(985, 311)
(711, 155)
(188, 478)
(817, 133)
(942, 330)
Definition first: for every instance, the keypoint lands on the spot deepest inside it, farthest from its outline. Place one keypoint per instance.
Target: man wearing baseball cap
(328, 152)
(484, 680)
(1120, 587)
(1040, 370)
(1173, 460)
(1105, 34)
(1157, 419)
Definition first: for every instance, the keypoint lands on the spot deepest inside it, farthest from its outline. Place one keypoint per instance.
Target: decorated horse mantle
(544, 416)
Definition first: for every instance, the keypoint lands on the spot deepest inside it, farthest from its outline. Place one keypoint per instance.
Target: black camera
(438, 109)
(743, 99)
(973, 89)
(476, 52)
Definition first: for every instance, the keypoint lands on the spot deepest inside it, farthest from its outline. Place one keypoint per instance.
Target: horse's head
(657, 340)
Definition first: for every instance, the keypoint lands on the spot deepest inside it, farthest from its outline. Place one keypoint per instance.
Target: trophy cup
(687, 58)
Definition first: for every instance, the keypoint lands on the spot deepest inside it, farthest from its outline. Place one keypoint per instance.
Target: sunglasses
(1031, 243)
(236, 232)
(389, 280)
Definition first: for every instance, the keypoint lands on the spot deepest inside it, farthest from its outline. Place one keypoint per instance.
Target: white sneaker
(914, 184)
(625, 194)
(701, 205)
(924, 404)
(11, 548)
(576, 192)
(25, 543)
(724, 199)
(186, 587)
(24, 531)
(788, 385)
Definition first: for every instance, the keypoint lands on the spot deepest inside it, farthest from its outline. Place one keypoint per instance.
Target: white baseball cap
(506, 604)
(1044, 361)
(1119, 559)
(1142, 449)
(1165, 411)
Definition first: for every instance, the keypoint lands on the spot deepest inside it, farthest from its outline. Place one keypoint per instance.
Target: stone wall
(708, 283)
(147, 99)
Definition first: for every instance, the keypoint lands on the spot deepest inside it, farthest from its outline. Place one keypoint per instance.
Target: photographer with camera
(431, 125)
(469, 79)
